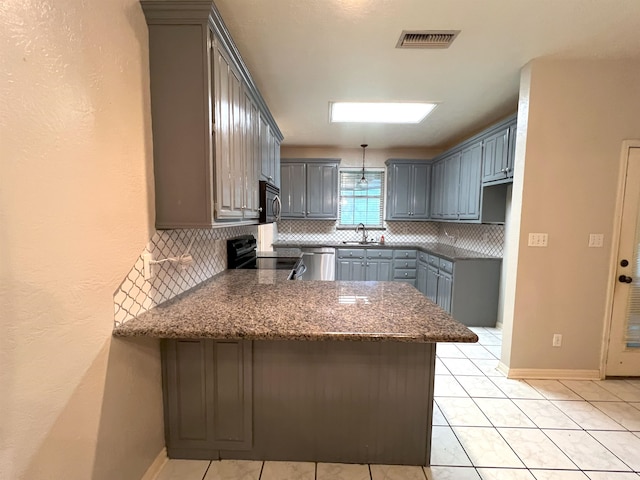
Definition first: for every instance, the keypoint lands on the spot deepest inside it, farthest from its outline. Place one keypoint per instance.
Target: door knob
(625, 279)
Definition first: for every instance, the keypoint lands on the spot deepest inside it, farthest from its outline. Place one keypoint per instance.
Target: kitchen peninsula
(256, 366)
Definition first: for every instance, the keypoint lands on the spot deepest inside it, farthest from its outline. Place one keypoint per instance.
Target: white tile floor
(487, 427)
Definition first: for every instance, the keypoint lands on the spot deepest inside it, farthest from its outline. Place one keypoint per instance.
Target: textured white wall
(75, 212)
(574, 116)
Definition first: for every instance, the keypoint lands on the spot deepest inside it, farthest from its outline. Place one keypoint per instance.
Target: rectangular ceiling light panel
(378, 112)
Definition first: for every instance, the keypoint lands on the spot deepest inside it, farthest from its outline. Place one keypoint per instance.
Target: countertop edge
(439, 250)
(321, 337)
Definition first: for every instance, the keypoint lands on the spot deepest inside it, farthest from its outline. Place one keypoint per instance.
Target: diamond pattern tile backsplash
(486, 239)
(136, 295)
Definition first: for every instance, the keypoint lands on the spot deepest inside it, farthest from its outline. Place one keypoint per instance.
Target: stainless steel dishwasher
(320, 263)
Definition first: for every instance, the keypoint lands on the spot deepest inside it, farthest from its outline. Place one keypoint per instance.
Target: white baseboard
(549, 374)
(156, 466)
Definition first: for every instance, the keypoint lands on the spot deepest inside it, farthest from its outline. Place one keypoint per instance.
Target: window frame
(358, 171)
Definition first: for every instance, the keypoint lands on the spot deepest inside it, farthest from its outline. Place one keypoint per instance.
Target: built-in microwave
(270, 203)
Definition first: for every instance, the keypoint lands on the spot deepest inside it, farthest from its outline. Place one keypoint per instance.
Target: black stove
(241, 254)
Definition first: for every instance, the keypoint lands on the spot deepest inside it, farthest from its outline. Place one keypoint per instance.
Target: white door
(623, 357)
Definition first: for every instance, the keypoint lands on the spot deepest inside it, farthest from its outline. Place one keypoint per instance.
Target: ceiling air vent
(427, 38)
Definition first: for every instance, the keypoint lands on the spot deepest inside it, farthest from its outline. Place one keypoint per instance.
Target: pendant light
(363, 181)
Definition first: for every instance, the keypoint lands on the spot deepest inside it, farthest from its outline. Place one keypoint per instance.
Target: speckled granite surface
(263, 305)
(442, 250)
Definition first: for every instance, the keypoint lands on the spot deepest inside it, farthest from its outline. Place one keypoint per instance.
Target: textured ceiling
(305, 53)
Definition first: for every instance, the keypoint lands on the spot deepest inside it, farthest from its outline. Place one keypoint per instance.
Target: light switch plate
(596, 240)
(538, 239)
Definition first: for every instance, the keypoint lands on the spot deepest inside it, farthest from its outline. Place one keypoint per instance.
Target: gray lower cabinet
(329, 401)
(431, 289)
(408, 189)
(363, 264)
(351, 269)
(208, 396)
(468, 289)
(404, 266)
(309, 188)
(421, 273)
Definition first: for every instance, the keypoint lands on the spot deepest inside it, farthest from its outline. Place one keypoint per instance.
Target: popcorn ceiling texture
(486, 239)
(136, 295)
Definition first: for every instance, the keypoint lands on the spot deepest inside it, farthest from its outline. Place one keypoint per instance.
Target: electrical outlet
(147, 267)
(596, 240)
(538, 239)
(557, 340)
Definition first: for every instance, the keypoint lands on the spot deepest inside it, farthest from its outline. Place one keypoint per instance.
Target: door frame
(627, 145)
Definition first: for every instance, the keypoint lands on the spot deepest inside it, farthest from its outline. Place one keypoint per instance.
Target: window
(361, 204)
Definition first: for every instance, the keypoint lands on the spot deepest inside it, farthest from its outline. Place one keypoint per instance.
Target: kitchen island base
(319, 401)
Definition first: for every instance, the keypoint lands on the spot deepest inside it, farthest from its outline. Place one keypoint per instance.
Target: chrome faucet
(364, 232)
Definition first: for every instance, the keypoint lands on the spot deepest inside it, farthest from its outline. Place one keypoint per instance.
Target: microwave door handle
(277, 211)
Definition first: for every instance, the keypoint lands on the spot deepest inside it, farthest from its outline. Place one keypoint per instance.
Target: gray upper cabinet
(451, 187)
(498, 156)
(469, 184)
(270, 159)
(309, 188)
(207, 116)
(293, 190)
(437, 190)
(513, 131)
(496, 152)
(408, 190)
(460, 175)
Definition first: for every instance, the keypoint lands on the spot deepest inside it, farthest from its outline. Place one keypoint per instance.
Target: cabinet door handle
(406, 274)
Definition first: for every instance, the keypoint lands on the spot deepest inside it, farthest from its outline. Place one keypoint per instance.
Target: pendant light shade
(363, 181)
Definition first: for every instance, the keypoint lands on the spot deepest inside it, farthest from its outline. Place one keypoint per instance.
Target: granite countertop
(263, 305)
(449, 252)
